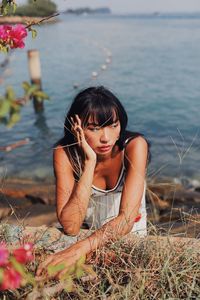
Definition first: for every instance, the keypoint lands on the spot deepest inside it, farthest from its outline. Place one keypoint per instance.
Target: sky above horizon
(132, 6)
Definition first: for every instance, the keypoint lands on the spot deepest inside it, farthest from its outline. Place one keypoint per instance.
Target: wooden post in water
(35, 75)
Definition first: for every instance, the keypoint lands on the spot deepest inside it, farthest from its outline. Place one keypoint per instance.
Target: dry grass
(148, 268)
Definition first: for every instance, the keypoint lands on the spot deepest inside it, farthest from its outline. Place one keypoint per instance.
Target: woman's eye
(94, 129)
(114, 125)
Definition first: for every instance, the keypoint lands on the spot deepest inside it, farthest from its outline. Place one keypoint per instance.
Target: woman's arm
(71, 198)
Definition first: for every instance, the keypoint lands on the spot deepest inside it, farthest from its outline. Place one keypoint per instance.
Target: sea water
(154, 70)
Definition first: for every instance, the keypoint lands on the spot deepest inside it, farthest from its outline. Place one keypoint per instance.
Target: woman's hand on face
(64, 259)
(78, 131)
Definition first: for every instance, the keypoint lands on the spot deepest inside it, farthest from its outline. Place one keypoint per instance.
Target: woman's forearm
(74, 211)
(111, 231)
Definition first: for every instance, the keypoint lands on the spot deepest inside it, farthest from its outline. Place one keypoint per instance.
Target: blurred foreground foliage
(140, 268)
(8, 7)
(33, 8)
(10, 107)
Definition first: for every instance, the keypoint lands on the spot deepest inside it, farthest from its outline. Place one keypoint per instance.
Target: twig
(14, 145)
(42, 20)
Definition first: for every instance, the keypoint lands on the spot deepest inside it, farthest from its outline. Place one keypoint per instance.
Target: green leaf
(34, 33)
(28, 277)
(33, 88)
(4, 49)
(17, 266)
(53, 270)
(10, 94)
(26, 86)
(14, 7)
(15, 118)
(5, 7)
(8, 8)
(81, 261)
(4, 108)
(41, 94)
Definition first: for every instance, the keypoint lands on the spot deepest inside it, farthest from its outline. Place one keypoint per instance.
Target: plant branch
(42, 20)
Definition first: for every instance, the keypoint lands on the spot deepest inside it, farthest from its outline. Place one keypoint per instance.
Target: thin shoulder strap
(126, 143)
(128, 140)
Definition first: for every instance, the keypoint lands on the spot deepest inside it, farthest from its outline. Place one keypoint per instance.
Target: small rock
(197, 189)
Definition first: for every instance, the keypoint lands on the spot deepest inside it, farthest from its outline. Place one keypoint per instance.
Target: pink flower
(17, 34)
(11, 279)
(3, 254)
(24, 254)
(13, 35)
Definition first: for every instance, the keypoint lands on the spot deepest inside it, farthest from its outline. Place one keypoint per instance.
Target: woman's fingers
(43, 265)
(77, 129)
(78, 120)
(43, 268)
(52, 274)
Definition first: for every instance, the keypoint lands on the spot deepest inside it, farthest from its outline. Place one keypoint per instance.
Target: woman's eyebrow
(96, 124)
(92, 124)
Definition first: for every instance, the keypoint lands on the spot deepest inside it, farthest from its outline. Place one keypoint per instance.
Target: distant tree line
(39, 8)
(87, 10)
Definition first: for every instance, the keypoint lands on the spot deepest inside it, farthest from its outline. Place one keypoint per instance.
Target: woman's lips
(104, 148)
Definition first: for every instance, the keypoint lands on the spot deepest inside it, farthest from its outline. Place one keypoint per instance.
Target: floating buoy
(75, 85)
(108, 60)
(103, 67)
(94, 74)
(7, 72)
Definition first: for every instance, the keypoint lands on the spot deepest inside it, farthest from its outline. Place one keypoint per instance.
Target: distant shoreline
(159, 15)
(25, 20)
(88, 11)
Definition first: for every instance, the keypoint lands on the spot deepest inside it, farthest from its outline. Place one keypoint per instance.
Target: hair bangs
(100, 115)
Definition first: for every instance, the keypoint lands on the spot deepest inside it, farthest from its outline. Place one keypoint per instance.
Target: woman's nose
(104, 135)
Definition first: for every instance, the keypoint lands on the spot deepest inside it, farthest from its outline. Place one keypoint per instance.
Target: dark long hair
(102, 106)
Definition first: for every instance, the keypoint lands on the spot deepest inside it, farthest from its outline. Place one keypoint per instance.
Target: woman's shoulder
(60, 157)
(136, 150)
(59, 151)
(136, 144)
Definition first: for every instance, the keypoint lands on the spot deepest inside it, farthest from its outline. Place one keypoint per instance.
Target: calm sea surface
(155, 71)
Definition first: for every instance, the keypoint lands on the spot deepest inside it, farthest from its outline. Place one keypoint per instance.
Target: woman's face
(102, 139)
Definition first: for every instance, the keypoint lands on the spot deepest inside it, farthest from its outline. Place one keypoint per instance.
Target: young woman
(100, 175)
